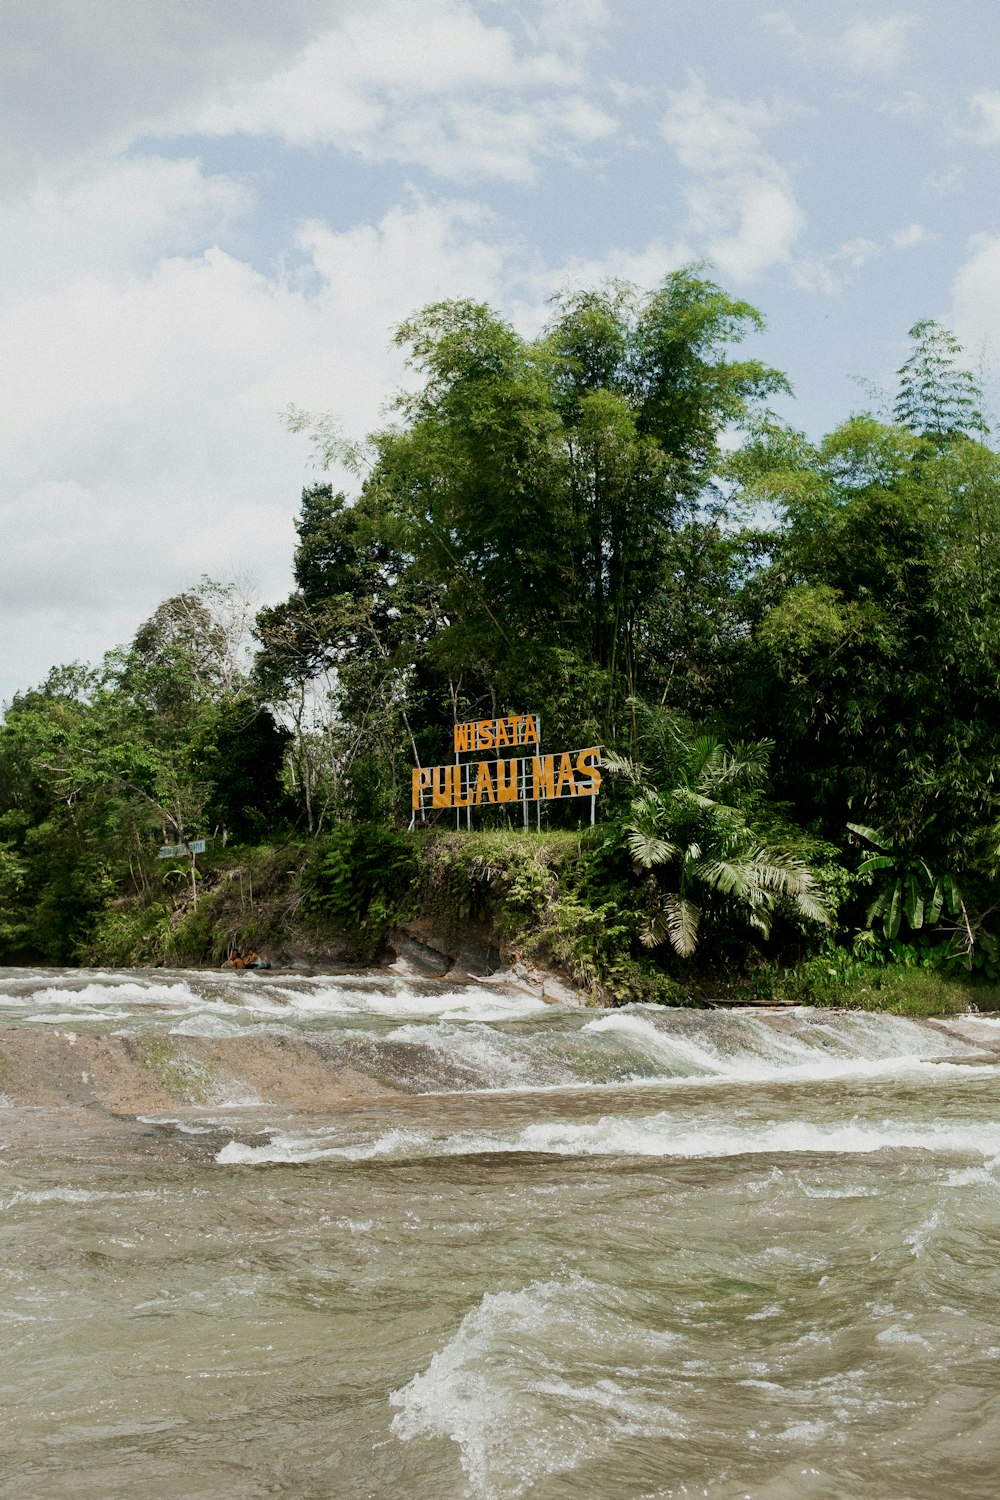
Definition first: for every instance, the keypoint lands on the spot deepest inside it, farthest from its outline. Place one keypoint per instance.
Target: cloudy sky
(215, 208)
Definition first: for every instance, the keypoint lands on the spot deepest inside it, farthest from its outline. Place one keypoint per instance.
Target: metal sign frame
(506, 778)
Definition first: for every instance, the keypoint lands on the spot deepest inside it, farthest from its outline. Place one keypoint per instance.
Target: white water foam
(493, 1058)
(659, 1135)
(758, 1052)
(98, 995)
(537, 1381)
(39, 1196)
(402, 1001)
(222, 1004)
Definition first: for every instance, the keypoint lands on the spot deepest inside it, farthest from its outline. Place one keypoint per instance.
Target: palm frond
(648, 805)
(756, 871)
(648, 849)
(623, 765)
(814, 908)
(683, 918)
(704, 756)
(742, 766)
(679, 919)
(655, 931)
(692, 800)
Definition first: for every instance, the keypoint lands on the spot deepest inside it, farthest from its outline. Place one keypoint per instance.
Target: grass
(897, 989)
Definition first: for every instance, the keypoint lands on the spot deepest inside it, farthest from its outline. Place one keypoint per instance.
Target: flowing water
(360, 1235)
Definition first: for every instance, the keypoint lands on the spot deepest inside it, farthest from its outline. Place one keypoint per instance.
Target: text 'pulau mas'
(532, 779)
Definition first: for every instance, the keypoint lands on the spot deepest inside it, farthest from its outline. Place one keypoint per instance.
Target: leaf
(877, 908)
(876, 862)
(913, 905)
(623, 766)
(812, 906)
(936, 902)
(682, 924)
(755, 871)
(952, 894)
(704, 761)
(895, 911)
(874, 836)
(648, 849)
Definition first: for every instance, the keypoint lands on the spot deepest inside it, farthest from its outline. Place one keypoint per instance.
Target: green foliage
(937, 398)
(99, 768)
(899, 979)
(692, 825)
(248, 898)
(364, 879)
(238, 751)
(908, 890)
(536, 524)
(14, 923)
(557, 899)
(872, 656)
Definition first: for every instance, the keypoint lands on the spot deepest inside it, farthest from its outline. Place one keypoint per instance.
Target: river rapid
(361, 1236)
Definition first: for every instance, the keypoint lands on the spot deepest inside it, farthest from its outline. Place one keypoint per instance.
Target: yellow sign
(482, 783)
(497, 734)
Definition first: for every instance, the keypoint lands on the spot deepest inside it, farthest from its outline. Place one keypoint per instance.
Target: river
(360, 1235)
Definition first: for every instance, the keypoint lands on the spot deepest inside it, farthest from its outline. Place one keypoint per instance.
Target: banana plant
(911, 891)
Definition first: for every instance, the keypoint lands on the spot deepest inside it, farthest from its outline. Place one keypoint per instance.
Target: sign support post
(177, 851)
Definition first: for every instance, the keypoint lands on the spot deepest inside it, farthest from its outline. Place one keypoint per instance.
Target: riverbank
(552, 912)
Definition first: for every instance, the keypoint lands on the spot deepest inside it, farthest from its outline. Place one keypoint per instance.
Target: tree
(535, 498)
(98, 767)
(936, 397)
(872, 652)
(336, 657)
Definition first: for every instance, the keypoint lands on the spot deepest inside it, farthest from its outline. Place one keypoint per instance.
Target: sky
(214, 210)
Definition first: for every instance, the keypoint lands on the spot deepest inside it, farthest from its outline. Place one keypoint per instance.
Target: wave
(538, 1381)
(426, 1036)
(659, 1135)
(235, 1001)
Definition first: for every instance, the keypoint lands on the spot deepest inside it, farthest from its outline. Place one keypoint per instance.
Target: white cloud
(743, 211)
(985, 108)
(910, 106)
(645, 267)
(124, 215)
(868, 46)
(948, 180)
(975, 295)
(141, 439)
(571, 24)
(910, 237)
(145, 366)
(78, 79)
(782, 25)
(863, 45)
(830, 273)
(433, 85)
